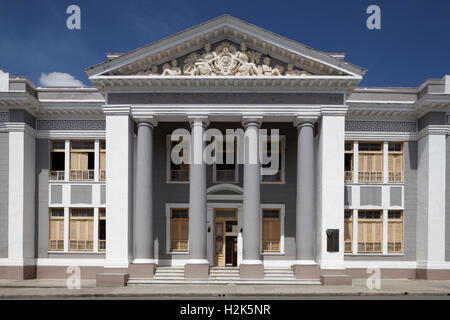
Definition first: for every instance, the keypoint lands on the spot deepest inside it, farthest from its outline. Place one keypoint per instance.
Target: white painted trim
(144, 261)
(385, 161)
(380, 136)
(168, 207)
(282, 220)
(70, 134)
(381, 263)
(70, 262)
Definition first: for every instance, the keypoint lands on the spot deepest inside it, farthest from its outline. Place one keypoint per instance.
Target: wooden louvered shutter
(348, 232)
(395, 232)
(271, 231)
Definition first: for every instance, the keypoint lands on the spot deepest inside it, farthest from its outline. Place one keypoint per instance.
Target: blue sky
(412, 45)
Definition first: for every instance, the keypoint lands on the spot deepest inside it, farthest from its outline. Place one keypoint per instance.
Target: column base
(196, 270)
(251, 271)
(433, 274)
(142, 270)
(18, 272)
(306, 272)
(112, 277)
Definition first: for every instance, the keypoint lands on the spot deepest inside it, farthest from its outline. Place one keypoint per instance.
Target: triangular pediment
(225, 46)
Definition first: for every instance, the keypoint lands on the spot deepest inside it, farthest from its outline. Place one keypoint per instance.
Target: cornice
(116, 110)
(70, 134)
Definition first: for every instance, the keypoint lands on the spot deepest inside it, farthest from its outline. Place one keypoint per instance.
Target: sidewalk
(57, 289)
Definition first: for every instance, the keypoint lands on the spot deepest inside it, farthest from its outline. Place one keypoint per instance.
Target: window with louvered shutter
(56, 229)
(348, 161)
(82, 160)
(102, 160)
(395, 162)
(178, 172)
(370, 231)
(348, 231)
(395, 231)
(102, 229)
(81, 229)
(271, 232)
(370, 162)
(179, 229)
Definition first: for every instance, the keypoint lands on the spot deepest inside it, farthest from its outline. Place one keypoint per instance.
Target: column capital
(301, 121)
(196, 120)
(146, 121)
(20, 127)
(252, 121)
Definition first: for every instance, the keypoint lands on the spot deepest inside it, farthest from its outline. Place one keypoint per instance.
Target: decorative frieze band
(71, 124)
(4, 117)
(381, 126)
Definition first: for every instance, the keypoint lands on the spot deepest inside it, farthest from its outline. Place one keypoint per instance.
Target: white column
(431, 198)
(119, 186)
(21, 194)
(66, 160)
(355, 162)
(96, 160)
(330, 175)
(385, 162)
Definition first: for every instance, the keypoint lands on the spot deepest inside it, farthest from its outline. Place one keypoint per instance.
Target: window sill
(272, 182)
(177, 252)
(272, 253)
(374, 254)
(76, 182)
(78, 252)
(177, 182)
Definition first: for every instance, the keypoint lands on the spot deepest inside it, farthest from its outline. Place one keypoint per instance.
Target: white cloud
(59, 79)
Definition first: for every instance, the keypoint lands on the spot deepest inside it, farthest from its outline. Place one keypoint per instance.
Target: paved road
(48, 289)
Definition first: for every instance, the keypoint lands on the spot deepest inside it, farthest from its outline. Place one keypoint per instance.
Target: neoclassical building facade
(88, 178)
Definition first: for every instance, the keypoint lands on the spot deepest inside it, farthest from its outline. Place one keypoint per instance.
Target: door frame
(223, 221)
(211, 224)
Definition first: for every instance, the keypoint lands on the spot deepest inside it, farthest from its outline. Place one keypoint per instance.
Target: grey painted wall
(410, 210)
(432, 118)
(20, 115)
(4, 177)
(42, 194)
(370, 196)
(56, 194)
(81, 194)
(395, 196)
(447, 204)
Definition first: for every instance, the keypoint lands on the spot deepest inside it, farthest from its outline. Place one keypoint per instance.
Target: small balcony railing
(57, 175)
(101, 245)
(225, 175)
(81, 245)
(348, 246)
(102, 174)
(369, 247)
(179, 245)
(395, 247)
(271, 246)
(395, 176)
(55, 245)
(348, 176)
(81, 175)
(370, 176)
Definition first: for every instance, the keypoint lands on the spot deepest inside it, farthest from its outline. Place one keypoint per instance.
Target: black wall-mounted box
(333, 240)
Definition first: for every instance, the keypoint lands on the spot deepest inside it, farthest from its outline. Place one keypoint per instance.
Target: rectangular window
(57, 160)
(370, 162)
(273, 176)
(102, 160)
(226, 172)
(178, 172)
(395, 163)
(179, 229)
(81, 229)
(395, 231)
(348, 173)
(348, 231)
(56, 230)
(82, 160)
(101, 229)
(271, 230)
(370, 231)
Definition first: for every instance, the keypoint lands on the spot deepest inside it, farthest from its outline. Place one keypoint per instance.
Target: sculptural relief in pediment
(225, 60)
